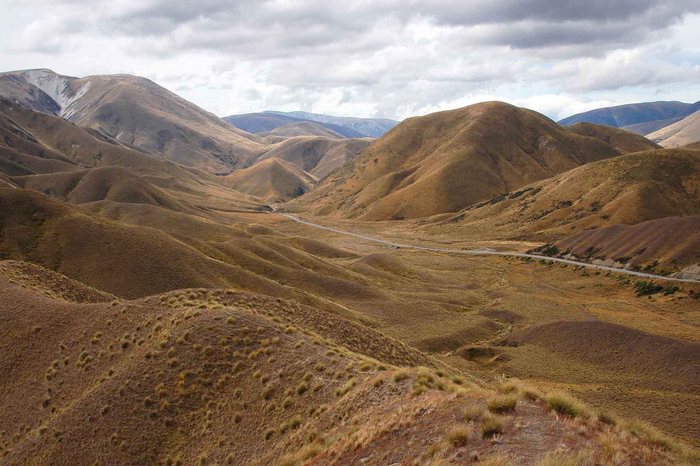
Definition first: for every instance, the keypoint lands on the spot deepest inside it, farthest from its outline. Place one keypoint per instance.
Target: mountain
(368, 127)
(681, 133)
(446, 161)
(52, 155)
(266, 122)
(319, 156)
(302, 128)
(137, 112)
(625, 190)
(272, 180)
(641, 118)
(346, 126)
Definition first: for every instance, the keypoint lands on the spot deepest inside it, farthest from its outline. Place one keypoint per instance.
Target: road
(490, 252)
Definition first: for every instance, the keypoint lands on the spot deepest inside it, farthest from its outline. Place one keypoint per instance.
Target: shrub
(646, 288)
(502, 404)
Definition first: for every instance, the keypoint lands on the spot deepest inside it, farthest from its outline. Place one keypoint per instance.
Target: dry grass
(502, 403)
(566, 405)
(491, 425)
(459, 435)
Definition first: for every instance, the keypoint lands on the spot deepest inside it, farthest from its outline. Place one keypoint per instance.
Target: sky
(378, 58)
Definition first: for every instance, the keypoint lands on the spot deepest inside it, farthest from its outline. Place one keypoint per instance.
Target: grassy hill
(446, 161)
(629, 189)
(280, 386)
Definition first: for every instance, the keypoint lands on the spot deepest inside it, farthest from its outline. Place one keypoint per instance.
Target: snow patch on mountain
(58, 88)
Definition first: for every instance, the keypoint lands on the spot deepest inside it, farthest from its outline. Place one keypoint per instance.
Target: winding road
(490, 252)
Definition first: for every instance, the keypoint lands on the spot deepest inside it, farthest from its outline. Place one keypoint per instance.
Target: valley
(473, 286)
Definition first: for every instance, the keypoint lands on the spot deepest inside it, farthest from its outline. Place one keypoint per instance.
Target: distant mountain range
(648, 119)
(348, 127)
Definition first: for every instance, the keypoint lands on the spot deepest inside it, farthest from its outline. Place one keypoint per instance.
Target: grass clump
(458, 435)
(651, 434)
(563, 404)
(301, 456)
(502, 403)
(491, 425)
(401, 375)
(472, 413)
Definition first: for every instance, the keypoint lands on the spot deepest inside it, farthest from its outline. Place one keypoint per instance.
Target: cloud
(382, 57)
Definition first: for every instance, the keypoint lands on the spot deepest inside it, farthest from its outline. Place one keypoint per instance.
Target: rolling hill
(681, 133)
(302, 128)
(272, 179)
(137, 112)
(52, 155)
(641, 118)
(628, 189)
(446, 161)
(624, 141)
(319, 156)
(668, 242)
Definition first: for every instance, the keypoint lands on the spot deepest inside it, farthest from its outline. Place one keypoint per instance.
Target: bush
(646, 288)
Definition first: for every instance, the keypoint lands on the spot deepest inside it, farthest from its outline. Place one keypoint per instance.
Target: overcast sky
(383, 58)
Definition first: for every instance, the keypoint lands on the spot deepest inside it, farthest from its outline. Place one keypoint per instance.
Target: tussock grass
(579, 458)
(458, 435)
(301, 456)
(502, 403)
(491, 425)
(564, 404)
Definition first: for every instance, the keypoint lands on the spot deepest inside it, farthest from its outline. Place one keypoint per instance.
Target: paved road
(490, 252)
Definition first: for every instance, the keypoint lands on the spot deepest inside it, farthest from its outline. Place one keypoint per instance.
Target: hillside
(629, 189)
(446, 161)
(319, 156)
(57, 157)
(642, 118)
(302, 128)
(681, 133)
(266, 122)
(280, 386)
(348, 127)
(272, 179)
(622, 140)
(366, 127)
(669, 242)
(137, 112)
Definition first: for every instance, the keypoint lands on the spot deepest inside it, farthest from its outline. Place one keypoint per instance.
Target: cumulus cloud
(374, 57)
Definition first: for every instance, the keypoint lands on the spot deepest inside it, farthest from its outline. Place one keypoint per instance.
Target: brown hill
(693, 146)
(138, 112)
(624, 141)
(319, 156)
(629, 189)
(51, 155)
(681, 133)
(223, 377)
(301, 128)
(448, 160)
(272, 179)
(670, 242)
